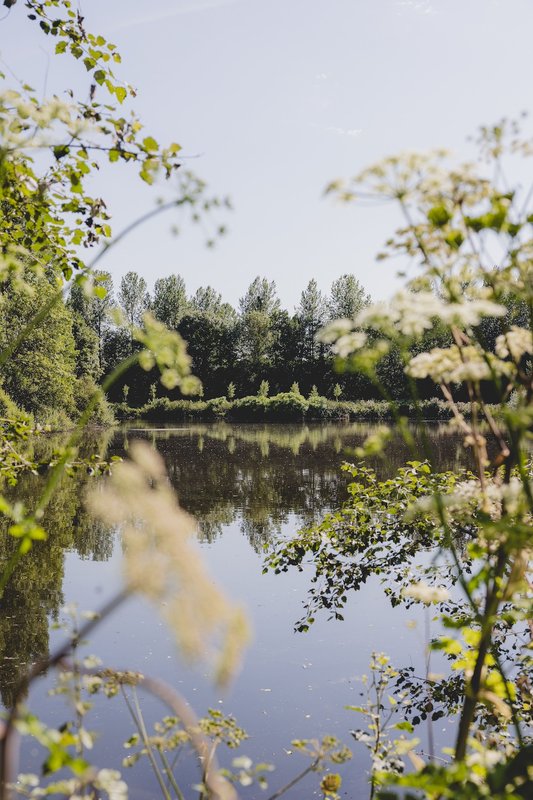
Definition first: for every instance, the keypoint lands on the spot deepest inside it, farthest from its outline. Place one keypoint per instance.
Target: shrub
(10, 410)
(295, 389)
(250, 409)
(287, 406)
(84, 388)
(218, 406)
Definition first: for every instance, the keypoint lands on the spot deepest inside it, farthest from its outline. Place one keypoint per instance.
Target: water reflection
(34, 594)
(260, 478)
(263, 474)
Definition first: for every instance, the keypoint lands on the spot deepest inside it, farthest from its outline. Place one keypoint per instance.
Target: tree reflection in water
(259, 476)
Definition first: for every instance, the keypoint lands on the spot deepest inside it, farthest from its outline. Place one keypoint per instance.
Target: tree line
(256, 348)
(235, 350)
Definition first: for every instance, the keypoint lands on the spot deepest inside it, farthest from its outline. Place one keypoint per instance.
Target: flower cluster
(425, 593)
(409, 314)
(412, 313)
(469, 497)
(517, 342)
(21, 117)
(457, 364)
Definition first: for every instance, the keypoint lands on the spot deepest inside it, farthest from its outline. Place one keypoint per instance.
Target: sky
(273, 99)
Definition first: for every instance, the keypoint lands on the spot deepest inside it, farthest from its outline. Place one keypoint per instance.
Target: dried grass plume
(163, 562)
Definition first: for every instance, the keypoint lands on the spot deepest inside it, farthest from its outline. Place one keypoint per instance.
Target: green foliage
(169, 303)
(478, 525)
(250, 409)
(370, 535)
(40, 375)
(85, 388)
(287, 406)
(489, 773)
(87, 347)
(10, 410)
(315, 408)
(347, 298)
(311, 315)
(263, 389)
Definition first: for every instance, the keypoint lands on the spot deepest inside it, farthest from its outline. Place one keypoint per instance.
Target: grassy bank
(284, 407)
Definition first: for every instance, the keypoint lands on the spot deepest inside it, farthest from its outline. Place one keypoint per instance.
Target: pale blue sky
(277, 98)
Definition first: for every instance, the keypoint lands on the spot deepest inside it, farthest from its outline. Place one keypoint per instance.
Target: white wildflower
(514, 497)
(27, 779)
(379, 316)
(334, 330)
(110, 781)
(455, 365)
(516, 343)
(470, 313)
(242, 762)
(412, 313)
(349, 343)
(426, 593)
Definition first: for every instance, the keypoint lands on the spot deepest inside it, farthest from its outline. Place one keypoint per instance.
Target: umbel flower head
(163, 563)
(408, 314)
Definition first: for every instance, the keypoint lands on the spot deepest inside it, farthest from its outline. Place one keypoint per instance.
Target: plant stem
(295, 780)
(472, 689)
(169, 773)
(141, 727)
(8, 754)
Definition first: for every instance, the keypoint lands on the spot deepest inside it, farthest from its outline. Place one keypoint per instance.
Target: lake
(246, 485)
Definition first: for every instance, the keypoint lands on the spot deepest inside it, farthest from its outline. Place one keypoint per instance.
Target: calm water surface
(246, 485)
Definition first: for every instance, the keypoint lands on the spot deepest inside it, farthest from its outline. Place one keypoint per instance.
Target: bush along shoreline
(283, 407)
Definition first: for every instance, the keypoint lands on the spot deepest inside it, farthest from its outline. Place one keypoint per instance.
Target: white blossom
(426, 593)
(412, 313)
(242, 762)
(516, 343)
(334, 330)
(455, 365)
(110, 781)
(349, 343)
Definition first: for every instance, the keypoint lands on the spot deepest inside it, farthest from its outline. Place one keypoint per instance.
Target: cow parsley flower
(425, 593)
(334, 330)
(515, 343)
(456, 365)
(349, 343)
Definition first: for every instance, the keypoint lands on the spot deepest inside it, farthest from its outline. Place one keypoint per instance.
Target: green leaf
(60, 151)
(150, 144)
(455, 239)
(120, 93)
(404, 726)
